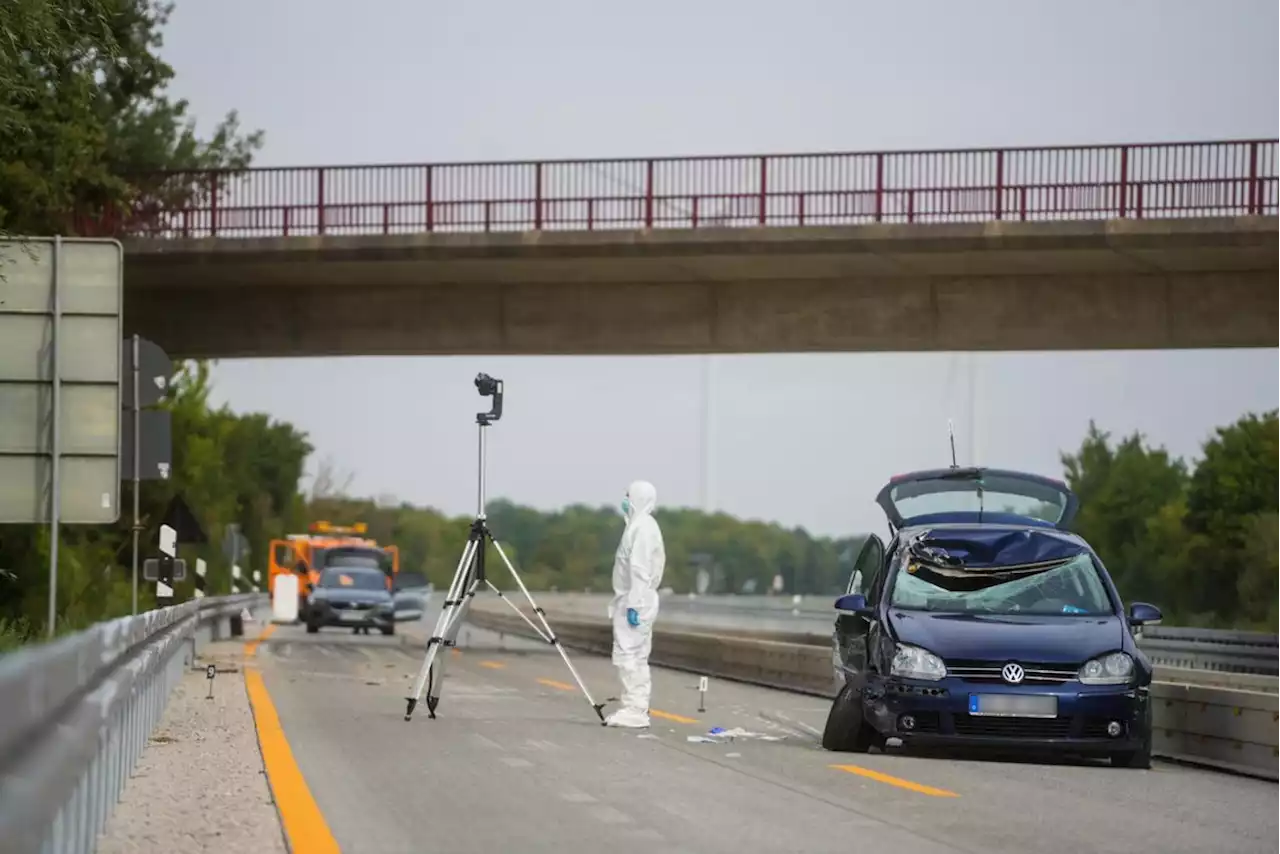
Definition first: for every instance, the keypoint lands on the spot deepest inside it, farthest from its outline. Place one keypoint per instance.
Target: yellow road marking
(303, 822)
(896, 781)
(493, 665)
(551, 683)
(251, 647)
(668, 716)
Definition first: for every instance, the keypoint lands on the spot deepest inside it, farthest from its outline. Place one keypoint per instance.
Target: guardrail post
(537, 197)
(320, 200)
(879, 187)
(1124, 180)
(1000, 185)
(764, 190)
(648, 194)
(431, 205)
(1254, 200)
(213, 204)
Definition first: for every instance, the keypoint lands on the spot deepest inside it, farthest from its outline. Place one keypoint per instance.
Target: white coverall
(637, 574)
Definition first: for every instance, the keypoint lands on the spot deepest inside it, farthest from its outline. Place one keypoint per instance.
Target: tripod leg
(549, 636)
(514, 607)
(453, 599)
(435, 682)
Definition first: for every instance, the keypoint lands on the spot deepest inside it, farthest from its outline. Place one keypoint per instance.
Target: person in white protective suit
(637, 574)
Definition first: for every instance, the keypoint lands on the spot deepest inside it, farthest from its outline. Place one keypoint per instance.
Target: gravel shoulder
(199, 784)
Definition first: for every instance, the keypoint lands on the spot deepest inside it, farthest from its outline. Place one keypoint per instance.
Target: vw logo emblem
(1012, 673)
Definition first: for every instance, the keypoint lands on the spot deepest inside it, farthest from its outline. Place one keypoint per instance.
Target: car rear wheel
(846, 731)
(389, 630)
(312, 628)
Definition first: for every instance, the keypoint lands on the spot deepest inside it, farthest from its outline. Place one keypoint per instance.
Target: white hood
(643, 499)
(641, 555)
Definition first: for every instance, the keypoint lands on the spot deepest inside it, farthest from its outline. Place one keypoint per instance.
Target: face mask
(626, 506)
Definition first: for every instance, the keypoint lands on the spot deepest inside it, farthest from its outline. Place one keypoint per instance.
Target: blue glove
(633, 618)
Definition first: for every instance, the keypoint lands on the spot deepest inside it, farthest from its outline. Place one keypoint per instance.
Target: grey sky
(804, 440)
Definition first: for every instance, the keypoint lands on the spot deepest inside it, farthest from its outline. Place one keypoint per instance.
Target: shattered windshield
(1058, 587)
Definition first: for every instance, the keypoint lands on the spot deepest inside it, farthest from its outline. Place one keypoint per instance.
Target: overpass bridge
(1166, 245)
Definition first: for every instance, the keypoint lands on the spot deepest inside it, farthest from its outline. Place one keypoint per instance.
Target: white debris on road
(200, 784)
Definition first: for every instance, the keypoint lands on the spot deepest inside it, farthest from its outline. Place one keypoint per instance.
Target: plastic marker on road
(895, 781)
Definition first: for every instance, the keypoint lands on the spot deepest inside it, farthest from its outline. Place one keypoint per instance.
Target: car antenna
(951, 433)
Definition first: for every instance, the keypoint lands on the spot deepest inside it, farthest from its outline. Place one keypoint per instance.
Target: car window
(350, 578)
(1072, 587)
(866, 567)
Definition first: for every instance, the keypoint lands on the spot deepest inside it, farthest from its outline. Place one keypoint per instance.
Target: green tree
(1231, 501)
(85, 119)
(1120, 489)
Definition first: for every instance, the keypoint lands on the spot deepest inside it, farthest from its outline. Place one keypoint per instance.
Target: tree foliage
(85, 118)
(573, 549)
(1202, 544)
(229, 469)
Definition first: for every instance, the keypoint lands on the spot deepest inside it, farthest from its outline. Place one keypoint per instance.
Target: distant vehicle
(325, 544)
(353, 597)
(412, 594)
(985, 623)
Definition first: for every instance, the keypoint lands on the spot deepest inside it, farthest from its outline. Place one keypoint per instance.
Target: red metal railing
(1158, 180)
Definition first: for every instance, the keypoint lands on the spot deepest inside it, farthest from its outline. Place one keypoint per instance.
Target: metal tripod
(466, 580)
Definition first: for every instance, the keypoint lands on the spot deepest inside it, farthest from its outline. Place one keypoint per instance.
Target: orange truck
(307, 555)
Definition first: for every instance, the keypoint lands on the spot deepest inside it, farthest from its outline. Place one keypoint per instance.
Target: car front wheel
(1140, 758)
(846, 730)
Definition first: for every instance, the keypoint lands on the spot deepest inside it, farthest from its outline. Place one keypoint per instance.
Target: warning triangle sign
(179, 517)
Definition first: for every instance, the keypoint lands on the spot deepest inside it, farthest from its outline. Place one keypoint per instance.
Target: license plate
(351, 615)
(1014, 705)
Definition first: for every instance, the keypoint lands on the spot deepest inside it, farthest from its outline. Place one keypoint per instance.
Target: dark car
(354, 597)
(985, 623)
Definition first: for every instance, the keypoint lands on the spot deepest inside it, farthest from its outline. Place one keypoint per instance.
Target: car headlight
(913, 662)
(1114, 668)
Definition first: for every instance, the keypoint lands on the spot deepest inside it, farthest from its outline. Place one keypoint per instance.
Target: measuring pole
(55, 499)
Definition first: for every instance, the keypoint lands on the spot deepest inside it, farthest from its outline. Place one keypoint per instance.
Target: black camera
(489, 387)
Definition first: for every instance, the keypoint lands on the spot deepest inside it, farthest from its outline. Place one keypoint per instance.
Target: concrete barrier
(1232, 727)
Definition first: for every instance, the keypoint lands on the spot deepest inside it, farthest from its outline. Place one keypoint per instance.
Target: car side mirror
(854, 603)
(1142, 614)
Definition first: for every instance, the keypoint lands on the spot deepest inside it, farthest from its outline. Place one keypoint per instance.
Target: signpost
(165, 566)
(61, 302)
(146, 448)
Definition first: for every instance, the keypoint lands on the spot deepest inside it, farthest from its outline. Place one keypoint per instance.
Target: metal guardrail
(810, 621)
(77, 713)
(1145, 180)
(1212, 649)
(1233, 728)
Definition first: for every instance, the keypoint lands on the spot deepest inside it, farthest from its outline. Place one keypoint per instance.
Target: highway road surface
(517, 761)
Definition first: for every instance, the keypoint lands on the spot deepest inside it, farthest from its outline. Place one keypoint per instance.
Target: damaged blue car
(985, 623)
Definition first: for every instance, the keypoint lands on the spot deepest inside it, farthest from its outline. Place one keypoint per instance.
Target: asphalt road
(517, 761)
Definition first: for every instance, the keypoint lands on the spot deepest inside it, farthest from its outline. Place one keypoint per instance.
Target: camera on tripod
(489, 387)
(468, 577)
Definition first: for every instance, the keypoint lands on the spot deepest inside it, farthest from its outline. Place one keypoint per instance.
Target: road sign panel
(156, 429)
(151, 569)
(155, 368)
(60, 314)
(168, 541)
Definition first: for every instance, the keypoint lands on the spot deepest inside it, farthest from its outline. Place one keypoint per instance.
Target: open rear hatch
(976, 495)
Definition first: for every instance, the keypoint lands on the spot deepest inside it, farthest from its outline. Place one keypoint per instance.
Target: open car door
(283, 556)
(977, 495)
